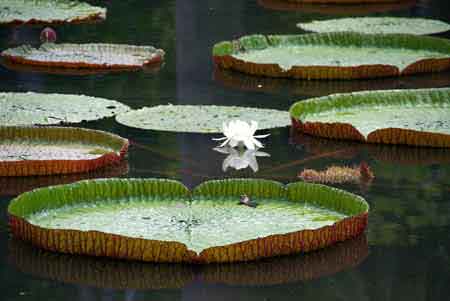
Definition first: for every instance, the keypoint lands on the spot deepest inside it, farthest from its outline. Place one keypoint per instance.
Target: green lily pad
(39, 108)
(200, 119)
(85, 56)
(415, 117)
(160, 220)
(48, 12)
(416, 26)
(341, 55)
(26, 151)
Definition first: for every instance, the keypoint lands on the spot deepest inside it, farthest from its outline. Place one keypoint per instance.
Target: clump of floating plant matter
(339, 174)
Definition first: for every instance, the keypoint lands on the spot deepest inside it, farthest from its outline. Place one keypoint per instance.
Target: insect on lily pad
(160, 220)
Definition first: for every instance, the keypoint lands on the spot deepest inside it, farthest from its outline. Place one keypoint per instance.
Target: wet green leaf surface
(38, 108)
(416, 26)
(200, 119)
(47, 11)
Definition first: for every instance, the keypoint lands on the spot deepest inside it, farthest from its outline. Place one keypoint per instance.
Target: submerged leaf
(338, 55)
(170, 224)
(414, 117)
(40, 108)
(48, 12)
(415, 26)
(199, 119)
(90, 56)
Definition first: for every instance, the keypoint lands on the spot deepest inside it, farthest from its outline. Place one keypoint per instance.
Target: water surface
(406, 253)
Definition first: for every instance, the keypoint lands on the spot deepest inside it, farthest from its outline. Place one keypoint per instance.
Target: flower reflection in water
(240, 158)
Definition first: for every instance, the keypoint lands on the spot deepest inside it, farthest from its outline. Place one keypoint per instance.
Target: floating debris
(339, 175)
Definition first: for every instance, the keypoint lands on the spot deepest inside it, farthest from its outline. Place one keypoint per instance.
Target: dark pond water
(405, 254)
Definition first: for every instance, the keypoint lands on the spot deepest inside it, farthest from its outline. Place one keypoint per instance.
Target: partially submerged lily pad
(200, 119)
(40, 108)
(91, 56)
(48, 12)
(340, 55)
(107, 273)
(415, 26)
(29, 151)
(414, 117)
(160, 220)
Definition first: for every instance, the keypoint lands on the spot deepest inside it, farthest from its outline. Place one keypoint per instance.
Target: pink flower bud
(48, 35)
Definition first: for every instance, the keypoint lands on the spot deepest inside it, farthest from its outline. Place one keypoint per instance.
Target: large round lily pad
(201, 118)
(414, 117)
(92, 56)
(416, 26)
(107, 273)
(40, 108)
(48, 12)
(27, 151)
(160, 220)
(340, 55)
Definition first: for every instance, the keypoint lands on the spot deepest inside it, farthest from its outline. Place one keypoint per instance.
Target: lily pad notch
(164, 193)
(413, 117)
(85, 56)
(53, 147)
(337, 55)
(19, 12)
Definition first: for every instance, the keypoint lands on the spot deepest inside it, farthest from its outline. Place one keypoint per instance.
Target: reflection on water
(312, 88)
(12, 186)
(107, 273)
(409, 219)
(239, 158)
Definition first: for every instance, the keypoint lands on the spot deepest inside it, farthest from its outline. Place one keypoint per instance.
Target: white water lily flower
(239, 159)
(238, 132)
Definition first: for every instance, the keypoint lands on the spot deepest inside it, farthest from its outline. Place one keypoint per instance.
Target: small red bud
(48, 35)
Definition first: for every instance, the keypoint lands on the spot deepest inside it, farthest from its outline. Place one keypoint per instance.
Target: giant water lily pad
(414, 117)
(27, 151)
(200, 119)
(160, 220)
(92, 56)
(341, 55)
(416, 26)
(48, 12)
(40, 108)
(107, 273)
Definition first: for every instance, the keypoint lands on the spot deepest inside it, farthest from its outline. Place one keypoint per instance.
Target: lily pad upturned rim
(107, 273)
(102, 244)
(70, 134)
(97, 14)
(347, 131)
(335, 8)
(223, 55)
(366, 25)
(176, 122)
(18, 55)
